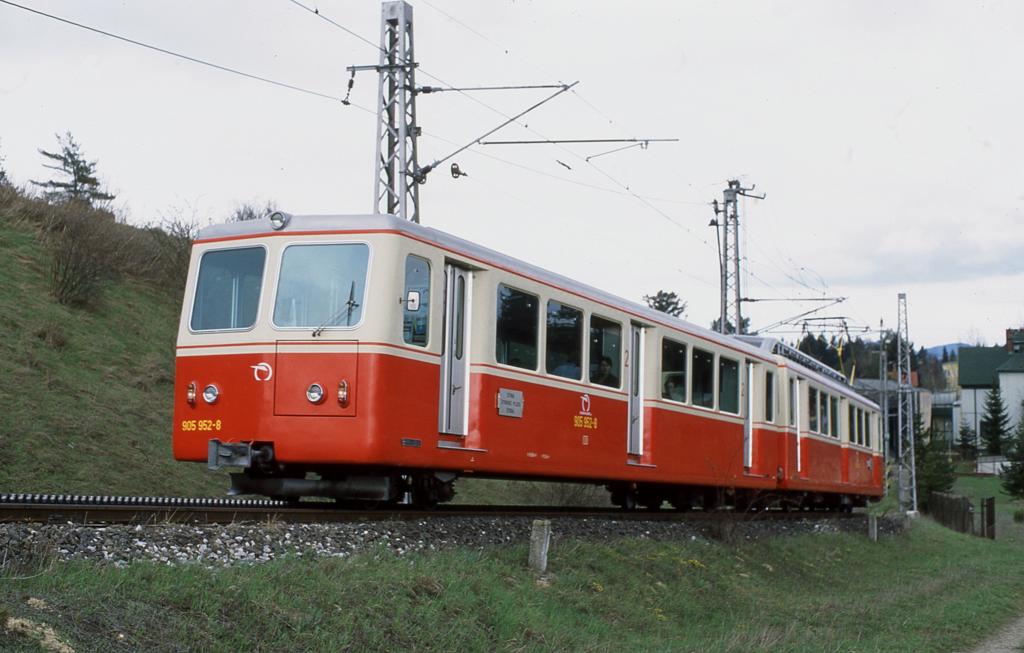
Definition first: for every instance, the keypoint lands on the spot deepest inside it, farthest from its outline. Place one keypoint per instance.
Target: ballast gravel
(214, 545)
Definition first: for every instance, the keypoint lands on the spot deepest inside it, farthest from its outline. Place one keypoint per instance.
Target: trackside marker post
(873, 528)
(540, 540)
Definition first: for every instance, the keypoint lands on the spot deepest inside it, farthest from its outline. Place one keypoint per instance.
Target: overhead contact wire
(179, 55)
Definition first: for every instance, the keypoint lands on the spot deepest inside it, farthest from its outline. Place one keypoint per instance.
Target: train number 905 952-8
(200, 425)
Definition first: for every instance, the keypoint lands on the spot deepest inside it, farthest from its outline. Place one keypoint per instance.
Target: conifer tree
(995, 423)
(666, 302)
(967, 443)
(79, 183)
(934, 470)
(1013, 474)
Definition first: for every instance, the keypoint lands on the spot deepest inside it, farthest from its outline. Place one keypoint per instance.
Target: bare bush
(88, 248)
(569, 494)
(175, 249)
(252, 211)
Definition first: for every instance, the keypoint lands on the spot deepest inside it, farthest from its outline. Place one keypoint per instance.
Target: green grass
(86, 393)
(932, 590)
(979, 487)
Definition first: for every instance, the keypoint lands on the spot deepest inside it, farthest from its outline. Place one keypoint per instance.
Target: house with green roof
(980, 369)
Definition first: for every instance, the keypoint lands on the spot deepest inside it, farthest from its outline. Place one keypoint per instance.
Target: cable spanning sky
(886, 135)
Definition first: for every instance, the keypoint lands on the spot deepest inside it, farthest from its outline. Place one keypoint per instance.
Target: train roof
(755, 346)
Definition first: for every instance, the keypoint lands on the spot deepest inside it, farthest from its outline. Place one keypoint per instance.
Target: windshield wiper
(349, 306)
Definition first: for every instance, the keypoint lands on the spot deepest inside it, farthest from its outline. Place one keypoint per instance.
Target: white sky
(888, 136)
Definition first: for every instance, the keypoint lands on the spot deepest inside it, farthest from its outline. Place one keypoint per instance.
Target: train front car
(298, 343)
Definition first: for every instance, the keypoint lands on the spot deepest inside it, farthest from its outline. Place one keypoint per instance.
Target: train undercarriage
(263, 475)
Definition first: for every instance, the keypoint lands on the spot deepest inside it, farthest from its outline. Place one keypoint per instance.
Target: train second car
(366, 357)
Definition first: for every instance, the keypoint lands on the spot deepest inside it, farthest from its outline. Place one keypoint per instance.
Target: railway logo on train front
(584, 404)
(262, 371)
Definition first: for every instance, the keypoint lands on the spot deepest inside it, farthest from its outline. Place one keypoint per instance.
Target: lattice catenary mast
(396, 186)
(906, 476)
(729, 254)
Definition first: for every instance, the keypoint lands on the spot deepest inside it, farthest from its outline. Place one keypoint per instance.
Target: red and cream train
(366, 357)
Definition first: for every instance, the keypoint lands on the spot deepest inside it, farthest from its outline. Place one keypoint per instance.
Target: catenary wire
(186, 57)
(423, 71)
(464, 26)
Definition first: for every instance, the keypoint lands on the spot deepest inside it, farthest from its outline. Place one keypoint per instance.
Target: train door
(454, 403)
(635, 389)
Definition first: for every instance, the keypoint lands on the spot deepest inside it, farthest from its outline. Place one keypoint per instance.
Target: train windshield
(321, 285)
(228, 289)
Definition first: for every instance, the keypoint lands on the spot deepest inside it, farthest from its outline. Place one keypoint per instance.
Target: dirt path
(1008, 640)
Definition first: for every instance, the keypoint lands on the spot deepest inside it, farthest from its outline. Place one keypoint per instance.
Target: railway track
(98, 509)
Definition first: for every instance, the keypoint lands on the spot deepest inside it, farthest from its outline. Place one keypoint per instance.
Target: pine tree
(934, 470)
(666, 302)
(967, 444)
(995, 423)
(1013, 475)
(80, 183)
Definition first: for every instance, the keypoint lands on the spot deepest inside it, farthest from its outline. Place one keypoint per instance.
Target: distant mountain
(952, 348)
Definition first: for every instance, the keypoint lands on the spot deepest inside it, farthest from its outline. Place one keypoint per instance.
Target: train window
(869, 420)
(516, 333)
(673, 370)
(228, 289)
(822, 413)
(769, 396)
(860, 426)
(605, 351)
(834, 423)
(321, 285)
(416, 315)
(792, 402)
(564, 341)
(728, 385)
(703, 378)
(812, 409)
(852, 435)
(460, 315)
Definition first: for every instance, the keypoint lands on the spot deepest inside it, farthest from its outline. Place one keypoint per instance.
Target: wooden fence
(952, 511)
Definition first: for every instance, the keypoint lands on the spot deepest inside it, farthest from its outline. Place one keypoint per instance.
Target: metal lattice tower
(906, 475)
(396, 189)
(729, 261)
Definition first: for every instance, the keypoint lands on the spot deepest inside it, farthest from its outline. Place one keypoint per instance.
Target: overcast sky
(887, 136)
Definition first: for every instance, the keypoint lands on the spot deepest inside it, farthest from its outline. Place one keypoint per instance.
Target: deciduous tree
(252, 211)
(730, 327)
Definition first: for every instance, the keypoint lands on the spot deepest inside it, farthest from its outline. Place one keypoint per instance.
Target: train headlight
(210, 394)
(190, 393)
(315, 393)
(279, 220)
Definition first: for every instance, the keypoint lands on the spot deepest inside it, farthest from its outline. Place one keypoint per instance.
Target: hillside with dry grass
(88, 315)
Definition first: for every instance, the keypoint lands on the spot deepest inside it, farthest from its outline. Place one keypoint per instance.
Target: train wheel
(424, 494)
(629, 499)
(623, 496)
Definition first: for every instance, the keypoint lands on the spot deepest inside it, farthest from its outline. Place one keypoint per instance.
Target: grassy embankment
(932, 590)
(85, 392)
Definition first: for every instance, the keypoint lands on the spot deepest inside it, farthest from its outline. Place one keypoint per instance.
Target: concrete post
(540, 540)
(873, 528)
